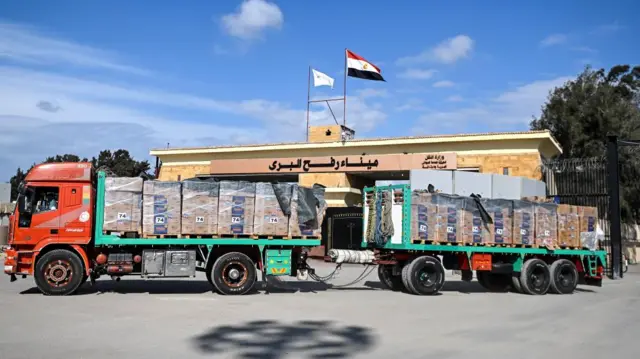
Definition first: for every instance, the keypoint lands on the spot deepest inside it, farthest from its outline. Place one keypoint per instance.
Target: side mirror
(24, 206)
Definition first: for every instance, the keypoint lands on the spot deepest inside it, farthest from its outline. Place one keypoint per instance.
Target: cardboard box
(200, 207)
(123, 204)
(568, 226)
(546, 224)
(475, 228)
(161, 208)
(523, 222)
(236, 207)
(501, 213)
(422, 216)
(311, 228)
(269, 218)
(587, 220)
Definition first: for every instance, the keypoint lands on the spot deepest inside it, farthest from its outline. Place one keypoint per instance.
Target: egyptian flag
(361, 68)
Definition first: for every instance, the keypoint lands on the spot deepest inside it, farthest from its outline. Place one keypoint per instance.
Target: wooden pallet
(199, 236)
(160, 236)
(130, 234)
(241, 236)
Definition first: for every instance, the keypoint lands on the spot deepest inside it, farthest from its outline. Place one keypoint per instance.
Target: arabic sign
(366, 163)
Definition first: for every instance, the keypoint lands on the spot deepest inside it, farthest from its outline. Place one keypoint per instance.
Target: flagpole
(344, 115)
(308, 99)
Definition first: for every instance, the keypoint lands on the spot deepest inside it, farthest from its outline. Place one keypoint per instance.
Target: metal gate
(582, 182)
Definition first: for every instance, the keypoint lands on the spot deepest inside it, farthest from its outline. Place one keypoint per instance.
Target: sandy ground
(183, 319)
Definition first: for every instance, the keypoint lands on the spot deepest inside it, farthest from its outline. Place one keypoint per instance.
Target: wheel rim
(537, 278)
(428, 276)
(234, 274)
(58, 273)
(565, 277)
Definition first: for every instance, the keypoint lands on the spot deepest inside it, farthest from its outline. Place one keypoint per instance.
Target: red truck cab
(53, 216)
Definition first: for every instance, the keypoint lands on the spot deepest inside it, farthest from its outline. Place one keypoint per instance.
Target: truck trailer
(64, 247)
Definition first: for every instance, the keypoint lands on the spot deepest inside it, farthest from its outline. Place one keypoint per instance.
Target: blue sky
(81, 76)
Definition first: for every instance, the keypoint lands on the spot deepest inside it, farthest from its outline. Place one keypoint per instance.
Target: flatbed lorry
(64, 246)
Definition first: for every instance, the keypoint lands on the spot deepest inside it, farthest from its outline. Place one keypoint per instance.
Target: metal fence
(582, 182)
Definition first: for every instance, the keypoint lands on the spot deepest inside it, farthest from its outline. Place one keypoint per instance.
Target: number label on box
(235, 220)
(199, 219)
(160, 220)
(273, 220)
(122, 215)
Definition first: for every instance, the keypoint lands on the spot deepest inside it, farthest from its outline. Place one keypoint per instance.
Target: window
(45, 199)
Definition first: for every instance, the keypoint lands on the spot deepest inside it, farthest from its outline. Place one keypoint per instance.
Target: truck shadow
(462, 287)
(168, 286)
(274, 339)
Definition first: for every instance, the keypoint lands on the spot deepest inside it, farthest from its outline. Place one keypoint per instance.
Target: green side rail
(407, 245)
(101, 239)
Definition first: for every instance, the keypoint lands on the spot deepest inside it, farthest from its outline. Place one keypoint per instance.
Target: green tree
(581, 113)
(118, 163)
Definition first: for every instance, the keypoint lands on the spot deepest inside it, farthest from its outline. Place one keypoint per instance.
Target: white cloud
(416, 74)
(510, 111)
(252, 18)
(372, 92)
(607, 28)
(447, 52)
(25, 44)
(444, 83)
(90, 116)
(554, 39)
(455, 98)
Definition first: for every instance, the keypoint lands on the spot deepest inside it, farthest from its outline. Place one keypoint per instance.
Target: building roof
(385, 141)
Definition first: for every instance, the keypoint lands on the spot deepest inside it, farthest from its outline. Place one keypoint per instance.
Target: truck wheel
(393, 282)
(425, 275)
(405, 278)
(494, 282)
(234, 274)
(515, 283)
(535, 277)
(59, 272)
(564, 276)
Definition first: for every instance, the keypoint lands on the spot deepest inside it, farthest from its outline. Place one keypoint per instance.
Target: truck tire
(564, 276)
(535, 277)
(494, 282)
(405, 278)
(425, 275)
(59, 272)
(515, 283)
(392, 282)
(234, 273)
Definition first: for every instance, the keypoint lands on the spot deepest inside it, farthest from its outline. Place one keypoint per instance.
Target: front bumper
(10, 261)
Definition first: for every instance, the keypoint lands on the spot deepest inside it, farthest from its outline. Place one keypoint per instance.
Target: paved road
(182, 319)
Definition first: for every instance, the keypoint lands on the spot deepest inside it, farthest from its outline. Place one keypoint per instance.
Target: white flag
(320, 79)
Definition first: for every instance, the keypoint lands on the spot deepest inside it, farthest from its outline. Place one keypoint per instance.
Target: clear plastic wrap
(523, 222)
(200, 207)
(161, 208)
(568, 226)
(588, 222)
(438, 217)
(546, 224)
(501, 213)
(269, 217)
(123, 204)
(236, 207)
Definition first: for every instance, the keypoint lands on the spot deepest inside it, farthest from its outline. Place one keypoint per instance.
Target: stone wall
(171, 173)
(524, 165)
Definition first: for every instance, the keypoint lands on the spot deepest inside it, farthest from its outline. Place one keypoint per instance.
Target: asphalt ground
(156, 319)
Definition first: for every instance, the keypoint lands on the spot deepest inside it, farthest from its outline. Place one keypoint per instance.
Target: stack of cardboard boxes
(236, 208)
(200, 207)
(269, 218)
(122, 204)
(161, 211)
(457, 219)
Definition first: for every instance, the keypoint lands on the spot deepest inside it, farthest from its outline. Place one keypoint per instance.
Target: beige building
(345, 165)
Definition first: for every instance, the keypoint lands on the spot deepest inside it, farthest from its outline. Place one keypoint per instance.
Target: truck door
(75, 225)
(43, 221)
